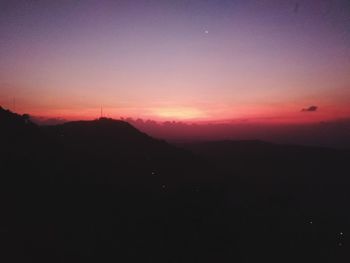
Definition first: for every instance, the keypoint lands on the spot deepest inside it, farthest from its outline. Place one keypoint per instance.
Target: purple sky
(181, 60)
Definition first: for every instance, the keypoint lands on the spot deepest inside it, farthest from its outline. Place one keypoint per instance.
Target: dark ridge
(18, 135)
(102, 191)
(101, 150)
(101, 129)
(14, 122)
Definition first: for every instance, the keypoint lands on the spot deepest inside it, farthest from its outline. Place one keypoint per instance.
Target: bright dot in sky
(206, 31)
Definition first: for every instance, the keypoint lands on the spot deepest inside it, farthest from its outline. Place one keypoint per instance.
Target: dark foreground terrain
(101, 191)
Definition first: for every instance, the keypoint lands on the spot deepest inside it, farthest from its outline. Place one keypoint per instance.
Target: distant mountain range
(102, 191)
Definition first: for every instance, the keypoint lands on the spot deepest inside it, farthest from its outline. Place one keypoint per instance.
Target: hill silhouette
(102, 191)
(16, 130)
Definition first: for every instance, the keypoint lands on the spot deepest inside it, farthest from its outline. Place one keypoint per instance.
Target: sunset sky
(177, 60)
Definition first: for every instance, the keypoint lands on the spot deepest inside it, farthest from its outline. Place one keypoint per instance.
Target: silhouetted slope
(312, 180)
(105, 137)
(102, 130)
(101, 191)
(266, 164)
(237, 156)
(94, 190)
(107, 149)
(103, 150)
(296, 195)
(25, 149)
(16, 130)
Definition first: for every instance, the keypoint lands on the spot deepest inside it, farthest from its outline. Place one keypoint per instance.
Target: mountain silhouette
(16, 130)
(102, 191)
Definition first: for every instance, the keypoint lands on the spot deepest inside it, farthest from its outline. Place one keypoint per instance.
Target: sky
(191, 61)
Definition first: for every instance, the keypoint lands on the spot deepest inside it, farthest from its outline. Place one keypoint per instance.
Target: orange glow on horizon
(290, 114)
(179, 113)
